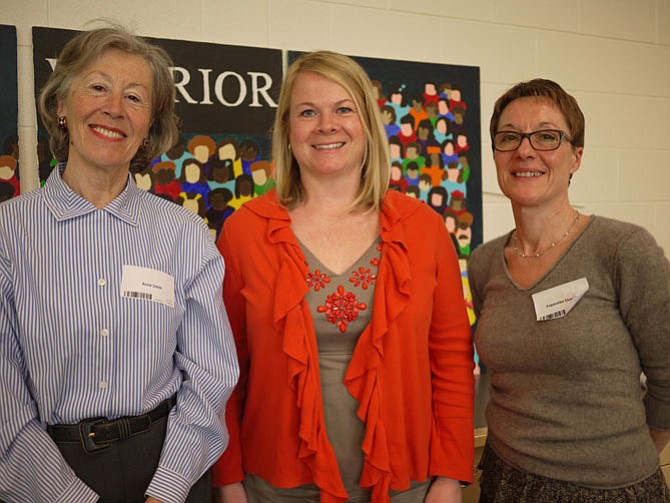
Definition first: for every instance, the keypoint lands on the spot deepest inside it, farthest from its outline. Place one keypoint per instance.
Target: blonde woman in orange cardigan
(347, 308)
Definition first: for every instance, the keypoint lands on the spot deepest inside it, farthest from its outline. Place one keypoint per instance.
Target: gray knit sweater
(566, 400)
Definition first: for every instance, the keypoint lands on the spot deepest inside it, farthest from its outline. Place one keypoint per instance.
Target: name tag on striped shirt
(557, 302)
(147, 284)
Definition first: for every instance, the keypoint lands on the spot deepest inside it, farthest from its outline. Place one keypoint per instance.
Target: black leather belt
(98, 433)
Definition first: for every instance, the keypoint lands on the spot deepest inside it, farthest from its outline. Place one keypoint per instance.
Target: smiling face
(527, 176)
(108, 112)
(326, 133)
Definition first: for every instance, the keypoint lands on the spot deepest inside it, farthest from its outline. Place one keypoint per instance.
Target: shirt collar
(65, 204)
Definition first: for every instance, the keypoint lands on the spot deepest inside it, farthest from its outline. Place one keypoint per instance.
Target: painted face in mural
(412, 171)
(166, 175)
(260, 176)
(396, 172)
(441, 126)
(326, 133)
(452, 172)
(248, 151)
(7, 167)
(246, 186)
(227, 151)
(176, 151)
(192, 205)
(201, 153)
(108, 111)
(528, 176)
(143, 181)
(450, 223)
(464, 235)
(192, 172)
(221, 173)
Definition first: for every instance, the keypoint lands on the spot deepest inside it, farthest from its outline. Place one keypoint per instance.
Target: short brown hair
(550, 90)
(77, 55)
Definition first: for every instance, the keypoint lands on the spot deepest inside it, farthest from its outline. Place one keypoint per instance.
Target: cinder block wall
(613, 55)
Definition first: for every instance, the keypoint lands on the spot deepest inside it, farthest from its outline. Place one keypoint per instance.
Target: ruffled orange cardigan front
(411, 371)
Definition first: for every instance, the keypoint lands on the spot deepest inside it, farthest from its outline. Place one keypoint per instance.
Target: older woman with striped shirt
(116, 356)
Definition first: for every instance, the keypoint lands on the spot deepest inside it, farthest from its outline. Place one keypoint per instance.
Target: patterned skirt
(501, 483)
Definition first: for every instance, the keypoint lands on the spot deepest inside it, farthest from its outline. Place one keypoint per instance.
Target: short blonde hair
(77, 55)
(345, 72)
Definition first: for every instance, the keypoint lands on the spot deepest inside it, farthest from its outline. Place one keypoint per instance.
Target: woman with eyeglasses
(574, 325)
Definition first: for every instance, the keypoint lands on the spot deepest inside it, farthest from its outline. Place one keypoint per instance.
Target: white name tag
(557, 302)
(147, 284)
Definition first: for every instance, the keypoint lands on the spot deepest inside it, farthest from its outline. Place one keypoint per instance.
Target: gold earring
(62, 122)
(145, 143)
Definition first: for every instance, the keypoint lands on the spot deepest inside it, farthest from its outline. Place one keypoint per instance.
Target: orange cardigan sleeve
(228, 469)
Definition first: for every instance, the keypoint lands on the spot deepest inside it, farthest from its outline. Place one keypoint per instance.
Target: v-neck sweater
(566, 400)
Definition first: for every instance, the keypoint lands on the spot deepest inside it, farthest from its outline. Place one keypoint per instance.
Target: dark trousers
(122, 473)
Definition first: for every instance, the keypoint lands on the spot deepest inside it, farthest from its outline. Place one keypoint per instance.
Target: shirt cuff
(168, 486)
(78, 491)
(658, 413)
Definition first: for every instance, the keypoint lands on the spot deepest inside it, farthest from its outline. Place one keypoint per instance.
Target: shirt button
(104, 332)
(103, 384)
(102, 282)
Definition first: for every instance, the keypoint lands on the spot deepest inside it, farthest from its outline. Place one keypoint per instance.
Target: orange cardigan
(411, 371)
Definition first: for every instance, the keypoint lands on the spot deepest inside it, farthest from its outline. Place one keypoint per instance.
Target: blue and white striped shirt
(72, 346)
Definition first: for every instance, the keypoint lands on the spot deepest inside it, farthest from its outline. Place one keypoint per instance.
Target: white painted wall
(612, 55)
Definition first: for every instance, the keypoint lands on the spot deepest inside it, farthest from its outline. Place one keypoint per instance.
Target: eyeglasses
(545, 139)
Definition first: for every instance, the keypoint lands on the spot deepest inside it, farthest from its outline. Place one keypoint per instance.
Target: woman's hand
(444, 490)
(661, 438)
(232, 493)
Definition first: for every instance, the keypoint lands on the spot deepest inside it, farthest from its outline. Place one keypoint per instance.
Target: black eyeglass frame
(561, 134)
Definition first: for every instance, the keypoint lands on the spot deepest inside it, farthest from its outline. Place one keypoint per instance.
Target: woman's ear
(579, 151)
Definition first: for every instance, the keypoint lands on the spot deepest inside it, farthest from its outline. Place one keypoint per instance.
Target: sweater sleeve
(473, 276)
(643, 281)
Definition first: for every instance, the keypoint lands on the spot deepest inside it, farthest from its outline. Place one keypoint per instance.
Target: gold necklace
(551, 246)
